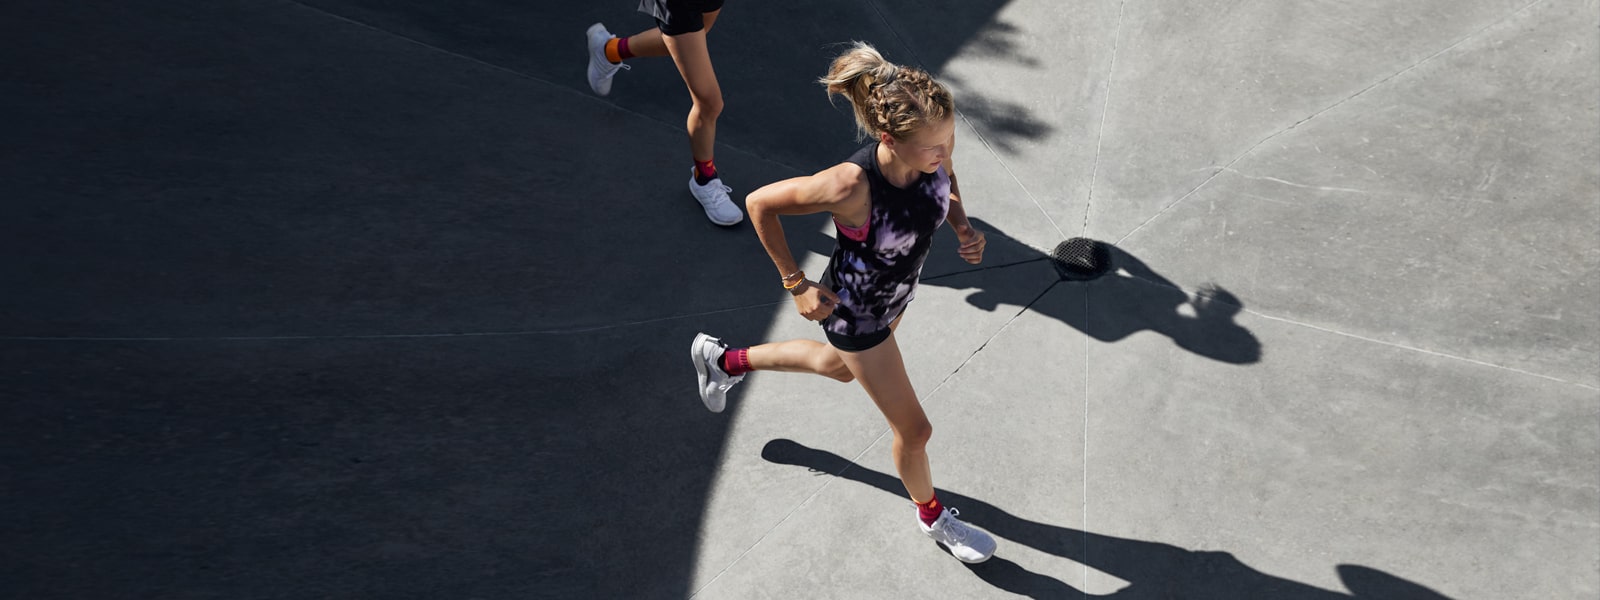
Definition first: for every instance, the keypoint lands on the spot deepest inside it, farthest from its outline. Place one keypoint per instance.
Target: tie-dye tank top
(875, 274)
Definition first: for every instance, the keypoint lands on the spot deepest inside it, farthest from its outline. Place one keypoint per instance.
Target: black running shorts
(857, 343)
(677, 17)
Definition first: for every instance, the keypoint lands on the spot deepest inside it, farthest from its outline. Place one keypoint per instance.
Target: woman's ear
(886, 139)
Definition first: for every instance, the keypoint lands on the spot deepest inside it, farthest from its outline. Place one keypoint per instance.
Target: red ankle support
(930, 511)
(704, 171)
(736, 361)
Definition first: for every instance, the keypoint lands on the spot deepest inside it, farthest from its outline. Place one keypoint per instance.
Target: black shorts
(857, 343)
(677, 17)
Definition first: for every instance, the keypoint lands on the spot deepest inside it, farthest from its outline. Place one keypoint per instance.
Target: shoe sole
(970, 562)
(700, 366)
(952, 554)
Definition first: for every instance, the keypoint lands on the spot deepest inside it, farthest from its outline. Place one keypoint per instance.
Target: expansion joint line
(1088, 300)
(1360, 337)
(384, 336)
(1252, 149)
(1105, 111)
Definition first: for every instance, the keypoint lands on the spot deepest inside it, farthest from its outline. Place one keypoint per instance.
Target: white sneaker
(713, 196)
(601, 69)
(967, 544)
(714, 382)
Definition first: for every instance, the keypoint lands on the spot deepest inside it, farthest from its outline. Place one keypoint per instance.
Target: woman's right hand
(814, 301)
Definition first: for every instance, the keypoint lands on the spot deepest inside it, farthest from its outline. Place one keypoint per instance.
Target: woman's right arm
(824, 192)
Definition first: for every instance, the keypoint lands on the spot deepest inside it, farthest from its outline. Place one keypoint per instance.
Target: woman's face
(926, 148)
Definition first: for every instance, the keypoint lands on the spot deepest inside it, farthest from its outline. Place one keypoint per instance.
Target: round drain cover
(1081, 259)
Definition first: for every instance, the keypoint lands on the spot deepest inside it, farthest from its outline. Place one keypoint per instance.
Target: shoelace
(614, 67)
(957, 529)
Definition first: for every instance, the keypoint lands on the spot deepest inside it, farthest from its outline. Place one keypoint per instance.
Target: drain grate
(1081, 259)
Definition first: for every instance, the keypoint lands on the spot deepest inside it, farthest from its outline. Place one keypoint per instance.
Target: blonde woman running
(886, 202)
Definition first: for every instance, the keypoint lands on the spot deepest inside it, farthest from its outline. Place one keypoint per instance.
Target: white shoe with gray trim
(965, 542)
(714, 382)
(713, 197)
(601, 69)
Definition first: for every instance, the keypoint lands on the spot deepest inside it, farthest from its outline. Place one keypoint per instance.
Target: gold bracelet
(797, 282)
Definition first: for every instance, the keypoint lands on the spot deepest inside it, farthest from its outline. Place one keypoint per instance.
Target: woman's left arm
(971, 239)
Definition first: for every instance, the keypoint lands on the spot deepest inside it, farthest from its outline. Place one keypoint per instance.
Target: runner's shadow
(1132, 298)
(1153, 570)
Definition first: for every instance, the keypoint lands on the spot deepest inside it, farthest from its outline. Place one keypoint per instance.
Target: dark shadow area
(767, 58)
(409, 468)
(1153, 570)
(375, 311)
(1121, 303)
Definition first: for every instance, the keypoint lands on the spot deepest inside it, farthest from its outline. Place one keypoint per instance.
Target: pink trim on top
(858, 234)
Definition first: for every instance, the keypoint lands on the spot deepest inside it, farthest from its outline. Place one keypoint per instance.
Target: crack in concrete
(986, 268)
(1105, 111)
(1197, 295)
(1319, 113)
(1298, 185)
(1088, 299)
(451, 334)
(1416, 349)
(384, 336)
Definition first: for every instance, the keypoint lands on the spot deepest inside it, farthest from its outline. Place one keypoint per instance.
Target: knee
(828, 363)
(708, 108)
(916, 436)
(842, 374)
(834, 367)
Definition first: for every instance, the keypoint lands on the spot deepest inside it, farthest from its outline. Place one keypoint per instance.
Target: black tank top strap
(867, 159)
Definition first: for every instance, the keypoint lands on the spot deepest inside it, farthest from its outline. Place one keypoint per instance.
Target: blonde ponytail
(887, 98)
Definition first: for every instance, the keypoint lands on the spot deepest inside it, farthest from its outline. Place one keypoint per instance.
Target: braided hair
(887, 98)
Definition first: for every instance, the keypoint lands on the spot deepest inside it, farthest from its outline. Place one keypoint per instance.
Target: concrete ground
(374, 299)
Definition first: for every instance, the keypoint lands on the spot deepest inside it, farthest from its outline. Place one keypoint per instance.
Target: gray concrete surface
(356, 299)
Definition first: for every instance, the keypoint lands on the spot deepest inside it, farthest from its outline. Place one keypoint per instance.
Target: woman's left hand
(972, 244)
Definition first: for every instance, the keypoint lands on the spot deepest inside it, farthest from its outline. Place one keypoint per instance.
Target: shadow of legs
(1153, 569)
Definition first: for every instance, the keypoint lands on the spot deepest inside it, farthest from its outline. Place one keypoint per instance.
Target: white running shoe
(713, 196)
(966, 543)
(714, 382)
(601, 69)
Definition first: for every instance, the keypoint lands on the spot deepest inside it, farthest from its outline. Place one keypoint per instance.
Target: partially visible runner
(886, 202)
(680, 32)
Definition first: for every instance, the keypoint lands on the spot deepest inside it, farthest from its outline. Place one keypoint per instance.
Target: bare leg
(647, 43)
(800, 356)
(694, 64)
(882, 372)
(804, 356)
